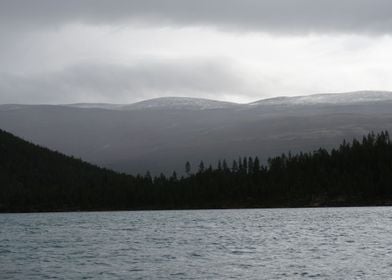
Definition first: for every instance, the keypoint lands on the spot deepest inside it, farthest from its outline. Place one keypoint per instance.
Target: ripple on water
(324, 243)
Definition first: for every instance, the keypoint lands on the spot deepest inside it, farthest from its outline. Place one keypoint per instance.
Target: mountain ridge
(193, 103)
(329, 98)
(163, 139)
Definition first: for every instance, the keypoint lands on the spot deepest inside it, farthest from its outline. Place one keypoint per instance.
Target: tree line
(33, 178)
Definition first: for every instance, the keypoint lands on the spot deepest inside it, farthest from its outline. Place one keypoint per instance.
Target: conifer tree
(148, 176)
(173, 177)
(188, 168)
(224, 165)
(234, 167)
(250, 165)
(245, 164)
(256, 165)
(240, 167)
(219, 165)
(201, 167)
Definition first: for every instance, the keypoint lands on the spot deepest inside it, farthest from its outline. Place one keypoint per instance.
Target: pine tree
(219, 165)
(148, 176)
(245, 164)
(173, 177)
(250, 165)
(188, 168)
(234, 167)
(240, 167)
(256, 165)
(201, 167)
(224, 165)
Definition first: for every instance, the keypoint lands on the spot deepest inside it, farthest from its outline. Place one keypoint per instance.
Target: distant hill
(162, 134)
(356, 97)
(180, 103)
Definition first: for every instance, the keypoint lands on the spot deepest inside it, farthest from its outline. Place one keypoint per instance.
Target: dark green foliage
(201, 167)
(234, 167)
(358, 173)
(188, 168)
(33, 178)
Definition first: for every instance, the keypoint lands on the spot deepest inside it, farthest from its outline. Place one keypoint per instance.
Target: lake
(318, 243)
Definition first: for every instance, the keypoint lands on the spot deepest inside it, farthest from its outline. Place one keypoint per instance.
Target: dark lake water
(323, 243)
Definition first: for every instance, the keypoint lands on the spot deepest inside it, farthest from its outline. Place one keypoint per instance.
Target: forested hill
(358, 173)
(33, 178)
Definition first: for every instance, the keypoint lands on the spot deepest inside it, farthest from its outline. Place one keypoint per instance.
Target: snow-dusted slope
(107, 106)
(337, 98)
(188, 103)
(10, 107)
(180, 103)
(170, 103)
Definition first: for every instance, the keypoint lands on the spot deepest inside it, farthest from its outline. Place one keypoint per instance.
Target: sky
(124, 51)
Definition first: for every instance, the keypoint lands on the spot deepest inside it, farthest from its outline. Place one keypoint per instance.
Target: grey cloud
(116, 83)
(287, 16)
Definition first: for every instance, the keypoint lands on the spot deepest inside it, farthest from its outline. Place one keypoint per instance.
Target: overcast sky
(68, 51)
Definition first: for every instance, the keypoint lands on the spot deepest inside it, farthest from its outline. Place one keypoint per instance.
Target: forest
(357, 173)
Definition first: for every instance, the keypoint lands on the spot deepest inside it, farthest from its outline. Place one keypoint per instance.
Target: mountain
(162, 134)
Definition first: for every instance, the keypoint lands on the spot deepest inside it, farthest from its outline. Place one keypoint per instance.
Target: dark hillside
(34, 178)
(358, 173)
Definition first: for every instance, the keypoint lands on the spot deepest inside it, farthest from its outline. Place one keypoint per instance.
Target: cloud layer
(122, 51)
(283, 16)
(109, 83)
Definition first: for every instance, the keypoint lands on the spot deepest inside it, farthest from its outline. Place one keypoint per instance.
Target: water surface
(323, 243)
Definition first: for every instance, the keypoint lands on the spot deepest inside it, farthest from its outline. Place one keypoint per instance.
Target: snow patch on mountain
(189, 103)
(180, 103)
(11, 107)
(336, 98)
(96, 106)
